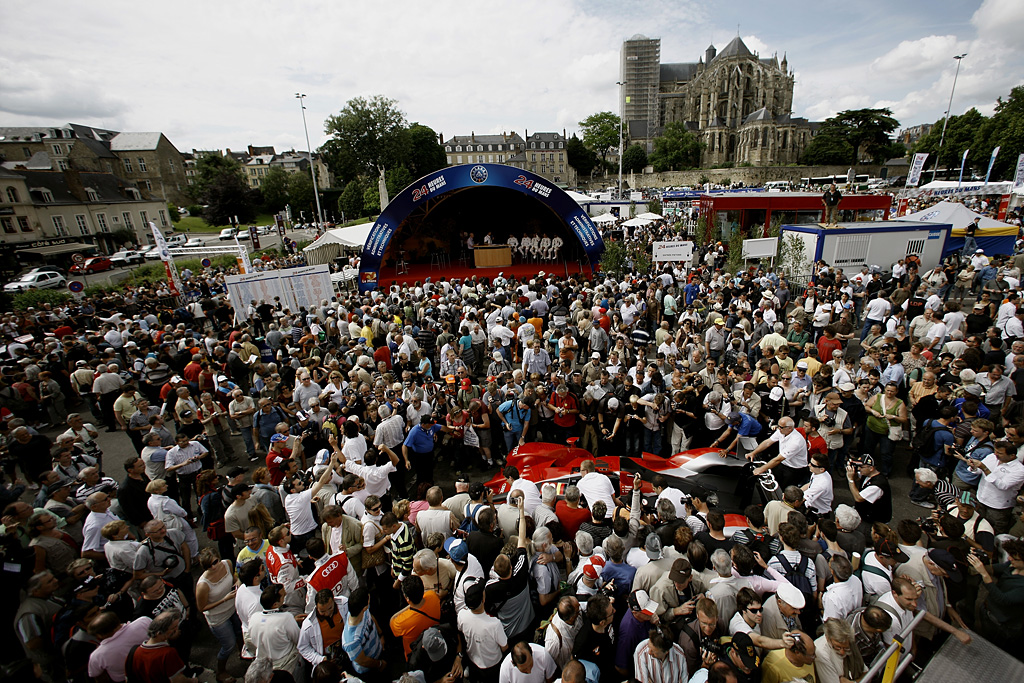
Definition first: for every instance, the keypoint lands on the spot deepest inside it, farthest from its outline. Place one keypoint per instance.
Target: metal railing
(897, 640)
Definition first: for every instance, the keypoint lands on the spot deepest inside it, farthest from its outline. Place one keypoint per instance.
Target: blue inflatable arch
(466, 176)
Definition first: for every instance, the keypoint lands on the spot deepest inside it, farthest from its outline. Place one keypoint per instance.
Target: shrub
(38, 297)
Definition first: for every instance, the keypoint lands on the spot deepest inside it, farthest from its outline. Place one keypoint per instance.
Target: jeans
(652, 441)
(970, 246)
(250, 447)
(227, 635)
(634, 442)
(881, 447)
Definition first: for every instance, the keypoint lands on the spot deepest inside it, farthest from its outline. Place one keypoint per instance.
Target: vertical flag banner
(963, 162)
(1018, 177)
(173, 282)
(915, 169)
(991, 163)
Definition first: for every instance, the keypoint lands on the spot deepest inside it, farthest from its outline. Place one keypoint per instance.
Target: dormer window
(92, 194)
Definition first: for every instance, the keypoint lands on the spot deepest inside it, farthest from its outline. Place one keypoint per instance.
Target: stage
(421, 271)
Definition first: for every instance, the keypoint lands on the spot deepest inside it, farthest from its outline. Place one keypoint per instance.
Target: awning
(58, 249)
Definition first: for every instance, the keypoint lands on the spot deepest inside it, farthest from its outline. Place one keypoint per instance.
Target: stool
(462, 258)
(437, 259)
(401, 266)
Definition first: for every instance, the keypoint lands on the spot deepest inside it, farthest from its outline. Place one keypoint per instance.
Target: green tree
(350, 203)
(1005, 129)
(827, 148)
(397, 179)
(580, 157)
(300, 193)
(373, 132)
(865, 130)
(634, 159)
(601, 133)
(220, 184)
(677, 148)
(173, 212)
(426, 154)
(371, 200)
(341, 161)
(274, 189)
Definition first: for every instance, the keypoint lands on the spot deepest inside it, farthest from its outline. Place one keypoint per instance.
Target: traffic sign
(76, 286)
(78, 258)
(205, 262)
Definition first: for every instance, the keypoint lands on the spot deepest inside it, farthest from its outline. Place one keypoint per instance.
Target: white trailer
(873, 243)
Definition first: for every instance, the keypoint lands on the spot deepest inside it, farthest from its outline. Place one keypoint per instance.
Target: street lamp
(316, 193)
(945, 119)
(621, 115)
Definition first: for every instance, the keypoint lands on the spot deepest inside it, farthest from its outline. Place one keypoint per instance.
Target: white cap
(776, 394)
(613, 403)
(789, 594)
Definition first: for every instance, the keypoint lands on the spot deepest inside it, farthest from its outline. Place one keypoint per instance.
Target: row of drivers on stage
(539, 247)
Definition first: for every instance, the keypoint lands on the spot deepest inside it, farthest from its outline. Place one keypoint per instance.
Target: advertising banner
(467, 176)
(1018, 177)
(173, 281)
(963, 161)
(672, 251)
(991, 163)
(295, 287)
(915, 169)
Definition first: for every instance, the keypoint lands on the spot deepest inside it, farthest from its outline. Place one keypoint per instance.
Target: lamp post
(945, 119)
(316, 193)
(622, 106)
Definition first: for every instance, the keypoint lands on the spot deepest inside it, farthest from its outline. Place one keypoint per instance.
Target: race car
(687, 471)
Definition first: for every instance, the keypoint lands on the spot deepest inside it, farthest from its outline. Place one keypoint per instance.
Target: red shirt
(383, 353)
(826, 346)
(814, 445)
(155, 663)
(275, 459)
(571, 518)
(192, 371)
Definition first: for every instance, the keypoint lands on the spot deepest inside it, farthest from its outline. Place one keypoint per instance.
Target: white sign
(1018, 178)
(636, 196)
(297, 287)
(916, 168)
(673, 251)
(766, 247)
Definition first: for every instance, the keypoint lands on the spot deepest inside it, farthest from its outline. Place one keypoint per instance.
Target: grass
(196, 224)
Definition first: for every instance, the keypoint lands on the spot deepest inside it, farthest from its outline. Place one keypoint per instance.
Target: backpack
(211, 509)
(469, 523)
(10, 398)
(923, 443)
(797, 575)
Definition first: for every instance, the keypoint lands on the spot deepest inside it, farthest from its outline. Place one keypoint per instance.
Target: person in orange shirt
(423, 610)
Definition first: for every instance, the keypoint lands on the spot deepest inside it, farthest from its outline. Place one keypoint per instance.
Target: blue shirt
(361, 638)
(422, 440)
(748, 426)
(691, 291)
(623, 574)
(943, 437)
(516, 416)
(973, 450)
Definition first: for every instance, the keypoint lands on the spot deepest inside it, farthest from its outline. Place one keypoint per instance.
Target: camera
(170, 562)
(928, 525)
(712, 646)
(828, 421)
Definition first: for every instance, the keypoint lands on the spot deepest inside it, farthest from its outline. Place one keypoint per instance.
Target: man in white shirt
(878, 566)
(531, 494)
(486, 642)
(375, 476)
(818, 491)
(275, 634)
(596, 486)
(1002, 475)
(99, 516)
(790, 465)
(845, 594)
(247, 599)
(297, 503)
(527, 663)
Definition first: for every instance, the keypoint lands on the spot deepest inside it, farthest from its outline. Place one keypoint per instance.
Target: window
(170, 165)
(533, 145)
(561, 168)
(533, 157)
(561, 156)
(560, 146)
(62, 164)
(83, 226)
(458, 148)
(501, 148)
(23, 224)
(12, 195)
(46, 195)
(479, 148)
(915, 247)
(142, 165)
(163, 218)
(459, 159)
(852, 249)
(8, 224)
(127, 165)
(56, 150)
(449, 159)
(148, 185)
(543, 145)
(490, 148)
(128, 221)
(27, 152)
(490, 158)
(480, 158)
(58, 226)
(101, 220)
(133, 193)
(92, 194)
(145, 218)
(448, 148)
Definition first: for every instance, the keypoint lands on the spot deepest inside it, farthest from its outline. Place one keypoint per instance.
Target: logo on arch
(478, 174)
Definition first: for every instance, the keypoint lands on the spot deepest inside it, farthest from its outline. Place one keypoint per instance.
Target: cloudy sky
(224, 74)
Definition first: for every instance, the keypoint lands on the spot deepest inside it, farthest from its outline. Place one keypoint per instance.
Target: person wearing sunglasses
(749, 613)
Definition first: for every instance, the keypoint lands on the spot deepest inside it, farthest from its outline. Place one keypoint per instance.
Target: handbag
(895, 431)
(470, 437)
(379, 556)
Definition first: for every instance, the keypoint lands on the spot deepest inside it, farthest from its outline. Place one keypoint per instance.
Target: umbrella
(604, 218)
(650, 216)
(637, 222)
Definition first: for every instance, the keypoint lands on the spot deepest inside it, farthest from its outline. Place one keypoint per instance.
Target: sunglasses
(755, 610)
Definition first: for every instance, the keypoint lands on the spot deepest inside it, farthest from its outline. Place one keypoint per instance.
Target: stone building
(737, 103)
(541, 153)
(153, 163)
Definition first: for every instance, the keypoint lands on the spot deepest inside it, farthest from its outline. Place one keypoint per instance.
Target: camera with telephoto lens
(712, 646)
(928, 525)
(828, 421)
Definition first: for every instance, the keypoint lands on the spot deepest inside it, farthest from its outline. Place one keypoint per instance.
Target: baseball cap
(681, 570)
(966, 498)
(744, 648)
(433, 644)
(81, 364)
(947, 562)
(802, 365)
(653, 547)
(239, 489)
(466, 383)
(886, 548)
(476, 489)
(791, 595)
(979, 251)
(847, 386)
(640, 601)
(613, 403)
(474, 594)
(719, 321)
(595, 355)
(865, 459)
(277, 438)
(776, 394)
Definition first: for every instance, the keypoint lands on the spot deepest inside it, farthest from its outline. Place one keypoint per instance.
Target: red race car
(544, 463)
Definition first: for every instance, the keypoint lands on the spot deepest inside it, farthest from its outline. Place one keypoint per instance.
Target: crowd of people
(306, 488)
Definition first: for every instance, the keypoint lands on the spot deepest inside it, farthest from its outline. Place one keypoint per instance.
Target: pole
(945, 119)
(621, 114)
(316, 192)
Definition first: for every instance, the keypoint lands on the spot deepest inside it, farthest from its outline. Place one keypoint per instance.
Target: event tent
(637, 222)
(651, 216)
(604, 218)
(330, 245)
(992, 236)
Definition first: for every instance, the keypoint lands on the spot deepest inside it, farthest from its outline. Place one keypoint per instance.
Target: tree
(350, 203)
(827, 148)
(274, 189)
(634, 159)
(867, 128)
(677, 148)
(220, 184)
(172, 211)
(600, 133)
(300, 193)
(371, 200)
(426, 154)
(397, 179)
(580, 157)
(961, 132)
(341, 161)
(372, 131)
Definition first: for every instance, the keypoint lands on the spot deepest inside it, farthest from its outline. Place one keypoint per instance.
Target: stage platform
(421, 271)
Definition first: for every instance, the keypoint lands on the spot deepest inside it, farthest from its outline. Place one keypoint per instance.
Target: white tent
(604, 218)
(579, 198)
(330, 245)
(953, 213)
(637, 222)
(651, 216)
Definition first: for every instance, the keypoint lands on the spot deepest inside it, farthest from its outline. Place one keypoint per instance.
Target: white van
(778, 186)
(176, 240)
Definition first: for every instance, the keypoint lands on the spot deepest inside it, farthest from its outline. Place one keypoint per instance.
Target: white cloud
(1000, 21)
(912, 59)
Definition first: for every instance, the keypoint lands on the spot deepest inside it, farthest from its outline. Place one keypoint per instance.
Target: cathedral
(736, 102)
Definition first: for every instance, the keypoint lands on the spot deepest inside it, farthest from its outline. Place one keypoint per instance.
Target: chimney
(563, 133)
(526, 134)
(440, 138)
(472, 136)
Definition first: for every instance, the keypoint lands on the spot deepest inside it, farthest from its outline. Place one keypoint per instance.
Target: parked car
(126, 257)
(227, 234)
(93, 264)
(44, 269)
(193, 242)
(41, 280)
(176, 240)
(151, 253)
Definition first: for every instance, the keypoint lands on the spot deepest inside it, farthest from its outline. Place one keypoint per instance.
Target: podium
(492, 256)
